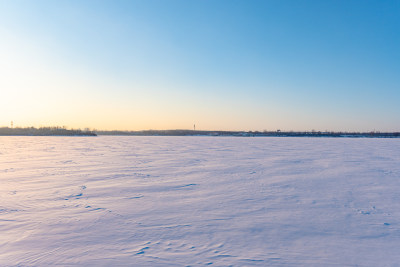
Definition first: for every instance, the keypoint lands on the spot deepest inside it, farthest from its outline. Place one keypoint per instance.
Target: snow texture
(196, 201)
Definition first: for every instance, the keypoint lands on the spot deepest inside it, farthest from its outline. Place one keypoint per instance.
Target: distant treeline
(44, 131)
(251, 133)
(62, 131)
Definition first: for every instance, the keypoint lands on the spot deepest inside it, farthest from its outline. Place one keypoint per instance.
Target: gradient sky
(224, 65)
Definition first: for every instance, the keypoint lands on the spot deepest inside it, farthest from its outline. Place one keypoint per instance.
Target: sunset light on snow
(199, 133)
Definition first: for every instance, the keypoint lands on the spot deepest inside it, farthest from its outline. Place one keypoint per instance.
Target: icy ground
(194, 201)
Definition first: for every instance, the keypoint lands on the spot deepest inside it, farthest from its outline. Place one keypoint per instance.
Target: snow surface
(195, 201)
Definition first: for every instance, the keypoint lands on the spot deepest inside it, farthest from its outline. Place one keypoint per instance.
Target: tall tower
(194, 127)
(12, 124)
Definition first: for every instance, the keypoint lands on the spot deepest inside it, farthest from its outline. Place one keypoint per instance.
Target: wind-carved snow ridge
(199, 201)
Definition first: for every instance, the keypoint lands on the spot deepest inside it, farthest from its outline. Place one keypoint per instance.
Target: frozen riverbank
(163, 201)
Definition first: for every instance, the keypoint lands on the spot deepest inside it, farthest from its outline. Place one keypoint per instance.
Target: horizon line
(200, 130)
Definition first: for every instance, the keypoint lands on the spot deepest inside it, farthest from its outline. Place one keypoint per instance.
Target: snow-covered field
(194, 201)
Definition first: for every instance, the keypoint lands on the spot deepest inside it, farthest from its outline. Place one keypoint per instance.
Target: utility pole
(194, 127)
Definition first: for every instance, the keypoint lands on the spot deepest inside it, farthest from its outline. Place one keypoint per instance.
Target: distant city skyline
(212, 65)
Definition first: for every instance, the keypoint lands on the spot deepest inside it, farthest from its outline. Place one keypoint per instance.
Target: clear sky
(223, 65)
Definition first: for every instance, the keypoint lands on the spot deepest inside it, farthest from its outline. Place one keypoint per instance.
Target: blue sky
(228, 65)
